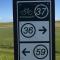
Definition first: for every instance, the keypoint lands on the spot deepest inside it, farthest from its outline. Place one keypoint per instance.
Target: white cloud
(11, 17)
(0, 18)
(6, 19)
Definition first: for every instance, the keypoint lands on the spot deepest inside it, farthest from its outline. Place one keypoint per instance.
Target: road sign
(34, 29)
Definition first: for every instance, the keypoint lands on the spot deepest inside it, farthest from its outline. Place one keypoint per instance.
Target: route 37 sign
(34, 29)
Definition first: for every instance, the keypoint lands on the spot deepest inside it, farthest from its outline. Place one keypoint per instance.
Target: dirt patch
(6, 25)
(57, 24)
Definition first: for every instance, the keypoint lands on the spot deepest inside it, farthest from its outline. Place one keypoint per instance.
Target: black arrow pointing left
(25, 52)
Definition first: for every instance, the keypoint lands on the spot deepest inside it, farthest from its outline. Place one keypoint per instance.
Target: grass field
(6, 41)
(7, 44)
(57, 40)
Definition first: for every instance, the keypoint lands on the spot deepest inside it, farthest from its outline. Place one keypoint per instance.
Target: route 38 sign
(34, 29)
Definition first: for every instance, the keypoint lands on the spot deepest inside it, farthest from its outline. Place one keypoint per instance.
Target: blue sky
(57, 9)
(6, 10)
(6, 13)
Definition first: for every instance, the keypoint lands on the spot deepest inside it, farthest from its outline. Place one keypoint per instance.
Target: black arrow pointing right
(25, 52)
(43, 29)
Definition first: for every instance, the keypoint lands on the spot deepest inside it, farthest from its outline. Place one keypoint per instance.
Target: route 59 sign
(34, 29)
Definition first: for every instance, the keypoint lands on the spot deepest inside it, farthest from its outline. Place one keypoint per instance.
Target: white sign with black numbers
(34, 30)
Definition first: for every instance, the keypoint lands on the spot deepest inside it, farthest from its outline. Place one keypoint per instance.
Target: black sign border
(15, 29)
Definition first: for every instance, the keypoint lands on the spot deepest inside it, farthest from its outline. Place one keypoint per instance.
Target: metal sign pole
(34, 29)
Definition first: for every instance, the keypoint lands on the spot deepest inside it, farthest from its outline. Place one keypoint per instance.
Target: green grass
(57, 56)
(58, 39)
(57, 36)
(6, 54)
(6, 37)
(8, 24)
(7, 41)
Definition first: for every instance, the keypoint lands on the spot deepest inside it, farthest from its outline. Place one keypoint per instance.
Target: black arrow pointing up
(43, 29)
(25, 52)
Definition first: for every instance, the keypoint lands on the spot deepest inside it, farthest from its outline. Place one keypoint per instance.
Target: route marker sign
(34, 29)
